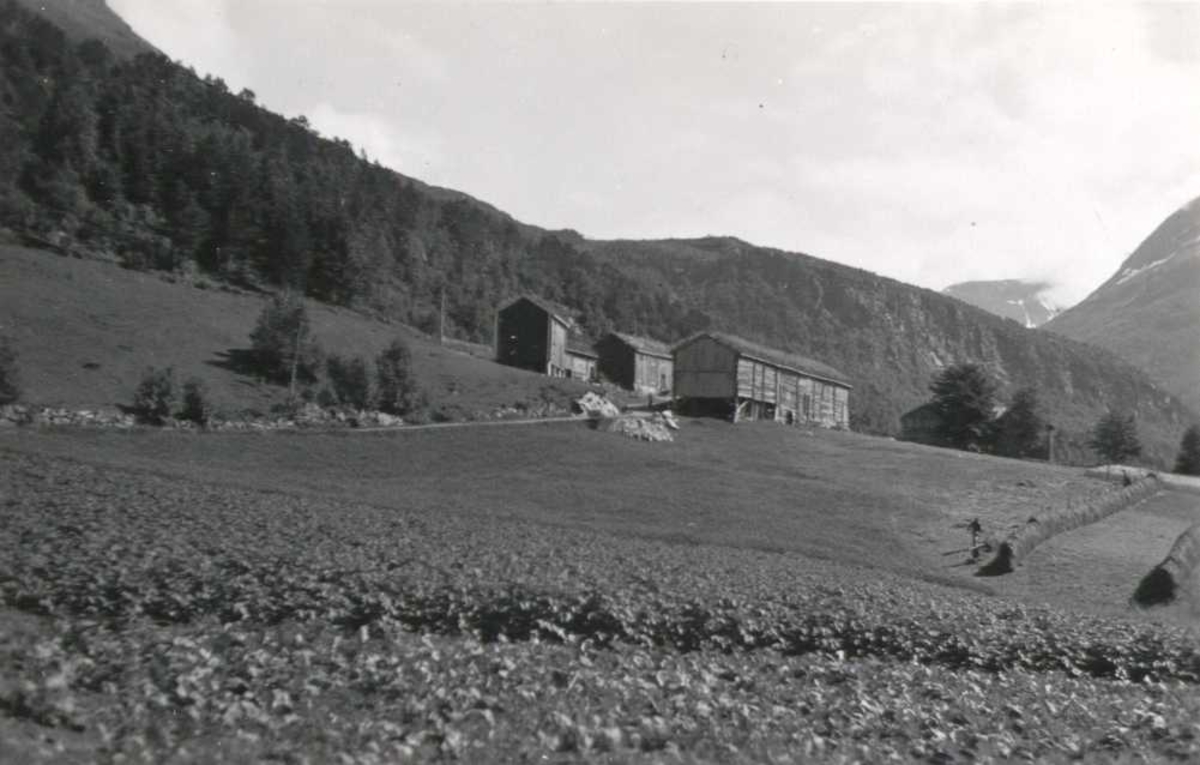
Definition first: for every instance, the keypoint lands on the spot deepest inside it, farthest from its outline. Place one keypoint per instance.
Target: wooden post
(736, 409)
(295, 364)
(442, 317)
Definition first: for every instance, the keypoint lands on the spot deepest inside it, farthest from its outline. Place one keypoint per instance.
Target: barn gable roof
(794, 362)
(578, 346)
(646, 345)
(559, 313)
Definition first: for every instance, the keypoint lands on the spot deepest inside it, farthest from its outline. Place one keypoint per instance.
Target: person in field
(975, 527)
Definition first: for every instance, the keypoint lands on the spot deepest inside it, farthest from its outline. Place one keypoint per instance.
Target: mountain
(891, 337)
(1148, 312)
(144, 163)
(1014, 299)
(84, 19)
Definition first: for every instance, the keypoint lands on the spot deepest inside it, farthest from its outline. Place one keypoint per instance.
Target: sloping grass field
(842, 496)
(550, 592)
(86, 331)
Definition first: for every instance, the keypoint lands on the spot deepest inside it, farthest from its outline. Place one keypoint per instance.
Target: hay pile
(1039, 528)
(654, 428)
(1164, 581)
(595, 406)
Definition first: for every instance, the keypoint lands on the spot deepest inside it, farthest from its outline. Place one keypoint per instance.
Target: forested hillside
(144, 162)
(893, 337)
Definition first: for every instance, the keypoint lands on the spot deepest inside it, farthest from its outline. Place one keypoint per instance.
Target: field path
(458, 424)
(1099, 565)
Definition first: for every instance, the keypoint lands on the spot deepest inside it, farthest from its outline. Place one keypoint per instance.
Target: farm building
(921, 425)
(582, 359)
(532, 334)
(636, 363)
(716, 373)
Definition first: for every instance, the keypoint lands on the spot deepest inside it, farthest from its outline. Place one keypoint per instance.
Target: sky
(932, 143)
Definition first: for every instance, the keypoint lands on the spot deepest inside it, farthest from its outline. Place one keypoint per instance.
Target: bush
(10, 380)
(196, 406)
(1188, 461)
(396, 390)
(349, 380)
(152, 402)
(282, 341)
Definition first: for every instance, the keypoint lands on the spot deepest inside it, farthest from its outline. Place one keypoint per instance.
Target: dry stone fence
(1039, 528)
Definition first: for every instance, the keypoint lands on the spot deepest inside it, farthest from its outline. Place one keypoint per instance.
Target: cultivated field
(748, 593)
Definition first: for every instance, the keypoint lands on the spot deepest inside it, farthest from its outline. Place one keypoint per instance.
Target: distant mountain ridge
(891, 337)
(1015, 299)
(1148, 312)
(163, 170)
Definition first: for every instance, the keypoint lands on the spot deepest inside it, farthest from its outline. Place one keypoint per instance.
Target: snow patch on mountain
(1129, 273)
(1020, 303)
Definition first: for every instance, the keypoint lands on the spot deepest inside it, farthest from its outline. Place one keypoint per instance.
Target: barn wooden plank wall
(707, 370)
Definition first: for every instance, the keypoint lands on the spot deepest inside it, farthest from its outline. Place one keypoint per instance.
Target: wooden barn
(532, 334)
(636, 363)
(719, 374)
(582, 357)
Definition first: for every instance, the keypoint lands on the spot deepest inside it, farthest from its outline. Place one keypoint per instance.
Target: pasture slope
(86, 330)
(748, 593)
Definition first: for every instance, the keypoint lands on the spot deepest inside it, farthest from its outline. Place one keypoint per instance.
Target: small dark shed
(583, 359)
(636, 363)
(921, 425)
(532, 334)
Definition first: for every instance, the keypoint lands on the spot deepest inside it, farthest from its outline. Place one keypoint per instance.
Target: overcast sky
(930, 143)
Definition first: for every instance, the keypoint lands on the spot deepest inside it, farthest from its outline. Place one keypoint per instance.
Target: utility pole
(295, 361)
(442, 317)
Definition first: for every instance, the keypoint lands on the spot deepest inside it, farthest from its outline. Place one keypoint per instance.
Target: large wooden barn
(719, 374)
(636, 363)
(532, 334)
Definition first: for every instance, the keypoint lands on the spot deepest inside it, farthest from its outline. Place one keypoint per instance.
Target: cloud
(403, 151)
(200, 33)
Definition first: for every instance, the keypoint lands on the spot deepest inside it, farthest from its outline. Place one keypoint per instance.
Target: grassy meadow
(841, 496)
(86, 331)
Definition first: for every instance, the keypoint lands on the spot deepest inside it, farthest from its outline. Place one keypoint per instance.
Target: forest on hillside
(145, 162)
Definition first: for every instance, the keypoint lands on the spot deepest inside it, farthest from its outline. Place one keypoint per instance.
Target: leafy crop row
(199, 613)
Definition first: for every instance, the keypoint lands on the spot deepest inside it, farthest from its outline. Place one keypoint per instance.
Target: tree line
(967, 415)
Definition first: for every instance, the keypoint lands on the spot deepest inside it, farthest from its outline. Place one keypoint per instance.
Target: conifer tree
(1115, 437)
(965, 400)
(1188, 461)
